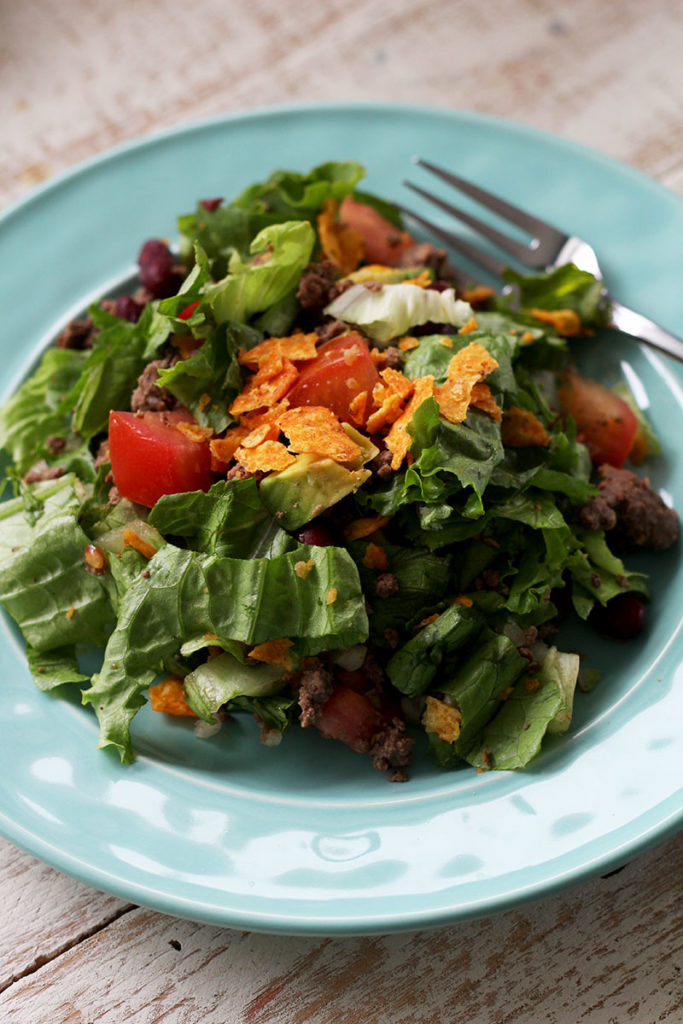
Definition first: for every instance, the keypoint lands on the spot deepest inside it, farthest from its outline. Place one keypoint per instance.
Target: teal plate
(306, 838)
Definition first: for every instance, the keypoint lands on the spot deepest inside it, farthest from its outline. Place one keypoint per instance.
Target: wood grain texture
(608, 952)
(81, 75)
(78, 76)
(43, 913)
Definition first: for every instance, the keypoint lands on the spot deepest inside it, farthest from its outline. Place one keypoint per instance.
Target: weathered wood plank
(606, 952)
(43, 913)
(607, 75)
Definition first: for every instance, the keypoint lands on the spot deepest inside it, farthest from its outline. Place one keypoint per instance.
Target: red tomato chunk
(383, 243)
(604, 422)
(349, 717)
(151, 457)
(341, 370)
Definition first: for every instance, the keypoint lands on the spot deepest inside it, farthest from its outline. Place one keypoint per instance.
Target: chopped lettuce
(391, 310)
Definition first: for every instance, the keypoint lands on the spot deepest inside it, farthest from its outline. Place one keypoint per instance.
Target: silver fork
(548, 249)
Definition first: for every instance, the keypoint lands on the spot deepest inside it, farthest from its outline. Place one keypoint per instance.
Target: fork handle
(630, 322)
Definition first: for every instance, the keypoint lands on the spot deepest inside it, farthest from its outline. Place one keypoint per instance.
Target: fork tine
(473, 253)
(518, 250)
(535, 226)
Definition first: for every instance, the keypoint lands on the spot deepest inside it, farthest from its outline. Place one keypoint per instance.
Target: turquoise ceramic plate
(307, 838)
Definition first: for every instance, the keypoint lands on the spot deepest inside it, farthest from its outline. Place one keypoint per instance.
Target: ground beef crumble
(315, 687)
(317, 286)
(148, 396)
(631, 511)
(77, 334)
(392, 748)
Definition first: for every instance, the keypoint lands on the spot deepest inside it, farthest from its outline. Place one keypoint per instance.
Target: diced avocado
(387, 275)
(368, 450)
(311, 484)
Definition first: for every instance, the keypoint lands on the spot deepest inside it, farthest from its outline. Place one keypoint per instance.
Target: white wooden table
(80, 75)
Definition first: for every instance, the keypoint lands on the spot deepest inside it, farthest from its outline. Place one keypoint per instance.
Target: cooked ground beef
(634, 514)
(425, 254)
(77, 334)
(148, 396)
(392, 357)
(41, 471)
(391, 748)
(55, 444)
(317, 285)
(315, 687)
(386, 585)
(331, 329)
(381, 464)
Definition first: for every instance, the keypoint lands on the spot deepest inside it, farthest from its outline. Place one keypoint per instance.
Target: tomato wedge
(341, 370)
(151, 457)
(604, 422)
(383, 242)
(349, 717)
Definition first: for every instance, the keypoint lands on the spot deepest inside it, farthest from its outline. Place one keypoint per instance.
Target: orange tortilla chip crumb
(483, 400)
(565, 321)
(295, 346)
(427, 621)
(398, 440)
(273, 652)
(315, 429)
(442, 719)
(223, 448)
(168, 696)
(341, 244)
(389, 396)
(270, 383)
(267, 457)
(194, 432)
(375, 557)
(71, 612)
(407, 343)
(359, 528)
(521, 429)
(470, 326)
(358, 406)
(464, 600)
(423, 279)
(302, 569)
(332, 594)
(186, 344)
(264, 432)
(526, 338)
(446, 342)
(132, 540)
(468, 367)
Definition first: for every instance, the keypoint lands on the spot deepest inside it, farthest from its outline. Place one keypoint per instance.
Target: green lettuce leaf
(54, 668)
(220, 680)
(564, 288)
(414, 666)
(188, 595)
(35, 412)
(391, 310)
(279, 255)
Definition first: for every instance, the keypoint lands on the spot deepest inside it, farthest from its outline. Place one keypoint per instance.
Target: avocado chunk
(311, 484)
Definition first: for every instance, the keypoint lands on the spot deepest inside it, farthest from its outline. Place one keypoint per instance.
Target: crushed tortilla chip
(254, 419)
(269, 456)
(442, 719)
(464, 600)
(427, 621)
(483, 400)
(398, 440)
(423, 279)
(377, 356)
(470, 326)
(521, 429)
(405, 344)
(389, 397)
(315, 428)
(70, 613)
(446, 342)
(186, 344)
(194, 432)
(375, 557)
(132, 540)
(468, 367)
(302, 568)
(204, 400)
(270, 383)
(295, 346)
(341, 245)
(526, 338)
(359, 528)
(273, 652)
(223, 448)
(565, 321)
(332, 595)
(168, 696)
(358, 406)
(478, 294)
(264, 432)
